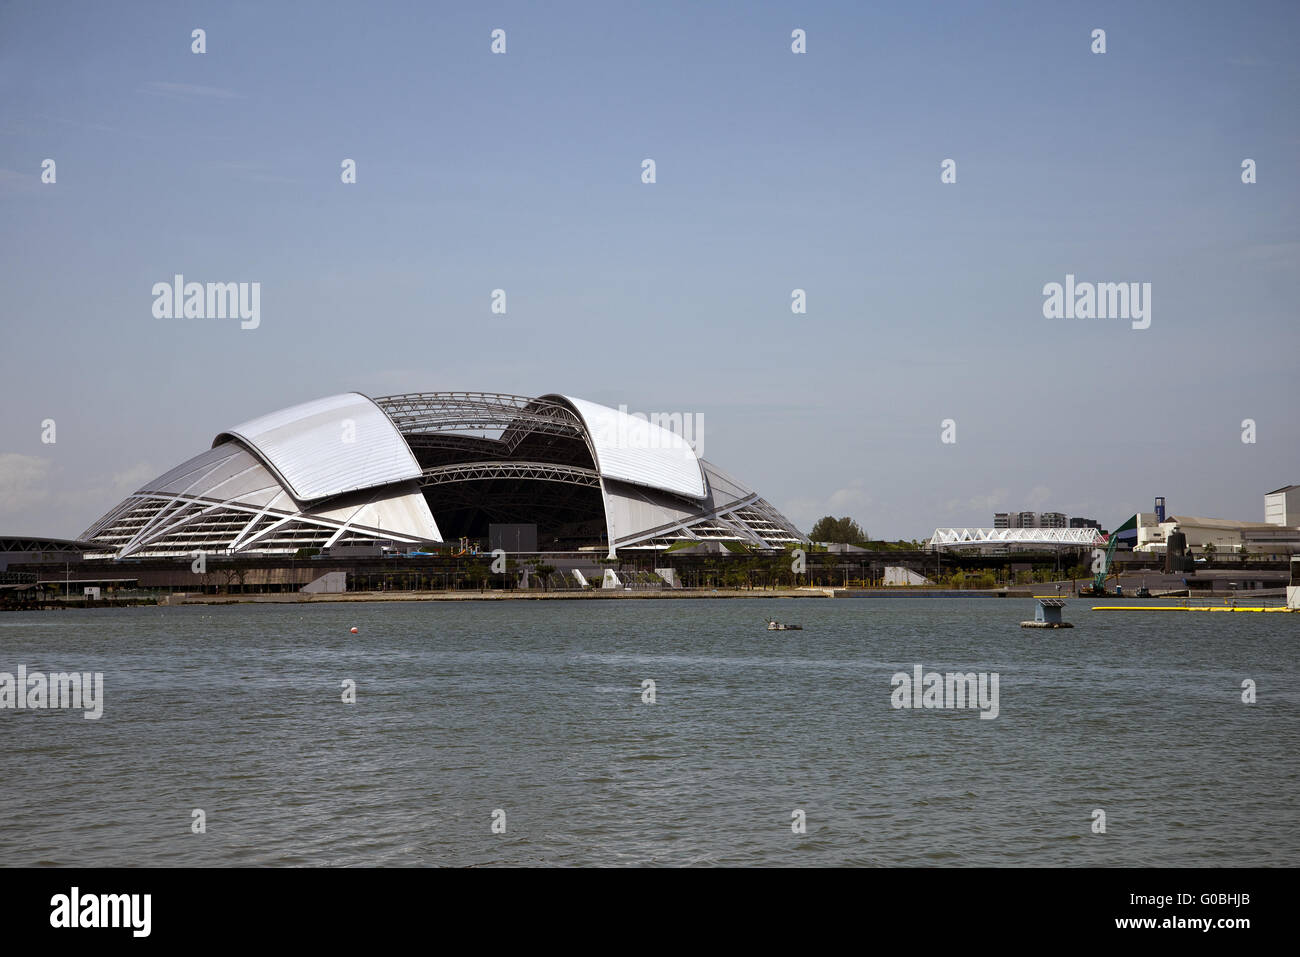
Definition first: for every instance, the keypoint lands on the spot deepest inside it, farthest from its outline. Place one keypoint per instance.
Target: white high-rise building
(1282, 506)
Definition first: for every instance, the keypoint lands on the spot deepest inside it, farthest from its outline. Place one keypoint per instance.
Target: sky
(774, 171)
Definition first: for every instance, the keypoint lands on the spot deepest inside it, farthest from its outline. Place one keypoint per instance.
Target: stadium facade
(431, 467)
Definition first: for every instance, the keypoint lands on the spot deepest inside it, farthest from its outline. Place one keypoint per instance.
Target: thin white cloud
(1282, 254)
(253, 172)
(13, 182)
(854, 496)
(1038, 496)
(24, 482)
(65, 511)
(852, 500)
(188, 91)
(124, 483)
(979, 507)
(107, 490)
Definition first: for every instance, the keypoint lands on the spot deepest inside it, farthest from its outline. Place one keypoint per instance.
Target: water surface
(535, 708)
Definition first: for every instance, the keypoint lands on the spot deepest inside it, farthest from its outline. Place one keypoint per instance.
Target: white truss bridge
(1051, 537)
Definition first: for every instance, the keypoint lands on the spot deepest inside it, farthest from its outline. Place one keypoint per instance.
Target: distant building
(1030, 520)
(1282, 506)
(1271, 541)
(18, 549)
(1093, 523)
(1228, 537)
(1148, 530)
(1276, 537)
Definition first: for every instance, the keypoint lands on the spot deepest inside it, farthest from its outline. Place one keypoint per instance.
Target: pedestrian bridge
(987, 537)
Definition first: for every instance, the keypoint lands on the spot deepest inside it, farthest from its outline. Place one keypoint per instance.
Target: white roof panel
(633, 449)
(401, 510)
(228, 472)
(328, 446)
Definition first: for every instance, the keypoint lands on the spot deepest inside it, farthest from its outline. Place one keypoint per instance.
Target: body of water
(536, 709)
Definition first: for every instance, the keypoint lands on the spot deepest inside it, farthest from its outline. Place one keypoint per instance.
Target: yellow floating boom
(1278, 608)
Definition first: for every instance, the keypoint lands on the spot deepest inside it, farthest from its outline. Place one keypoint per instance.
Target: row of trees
(846, 531)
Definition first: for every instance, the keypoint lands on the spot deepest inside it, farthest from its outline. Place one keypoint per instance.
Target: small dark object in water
(774, 625)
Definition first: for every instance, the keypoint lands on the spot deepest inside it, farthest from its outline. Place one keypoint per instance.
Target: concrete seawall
(593, 595)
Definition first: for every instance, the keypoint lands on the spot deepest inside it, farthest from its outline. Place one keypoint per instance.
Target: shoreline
(290, 598)
(685, 594)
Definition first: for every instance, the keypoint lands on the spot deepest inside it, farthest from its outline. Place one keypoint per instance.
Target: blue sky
(775, 171)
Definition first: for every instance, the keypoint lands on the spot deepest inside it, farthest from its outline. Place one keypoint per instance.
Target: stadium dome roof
(426, 467)
(639, 451)
(301, 445)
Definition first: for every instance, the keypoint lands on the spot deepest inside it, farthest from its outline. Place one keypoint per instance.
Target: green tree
(843, 531)
(477, 573)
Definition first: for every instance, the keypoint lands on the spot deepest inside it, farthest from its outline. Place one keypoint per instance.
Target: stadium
(414, 471)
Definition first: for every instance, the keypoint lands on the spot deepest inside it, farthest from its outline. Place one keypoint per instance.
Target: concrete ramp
(669, 575)
(331, 583)
(898, 575)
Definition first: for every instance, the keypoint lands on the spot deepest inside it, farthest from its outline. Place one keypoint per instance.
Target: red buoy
(354, 631)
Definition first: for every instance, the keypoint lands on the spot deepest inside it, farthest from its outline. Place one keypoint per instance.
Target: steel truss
(751, 519)
(975, 537)
(531, 471)
(150, 524)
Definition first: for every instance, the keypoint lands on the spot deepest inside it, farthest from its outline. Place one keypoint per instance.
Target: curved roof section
(632, 449)
(328, 446)
(226, 472)
(200, 503)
